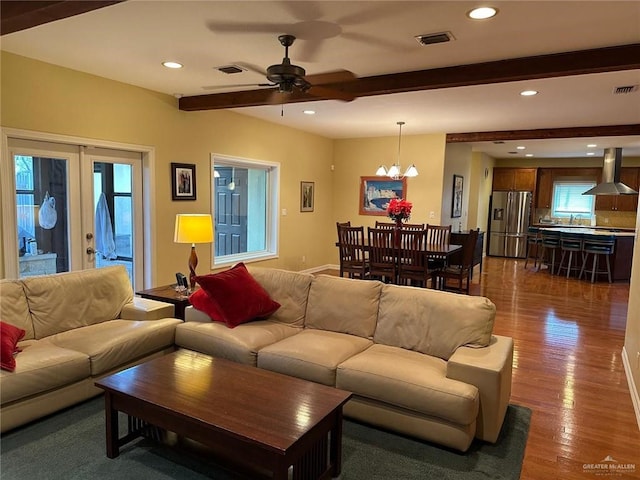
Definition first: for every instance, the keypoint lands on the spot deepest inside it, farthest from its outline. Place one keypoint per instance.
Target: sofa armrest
(489, 369)
(192, 314)
(147, 309)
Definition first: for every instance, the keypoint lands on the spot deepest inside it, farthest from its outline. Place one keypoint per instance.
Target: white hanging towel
(105, 243)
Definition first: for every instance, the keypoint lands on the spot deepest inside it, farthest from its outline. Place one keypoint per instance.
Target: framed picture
(376, 192)
(183, 181)
(307, 192)
(456, 202)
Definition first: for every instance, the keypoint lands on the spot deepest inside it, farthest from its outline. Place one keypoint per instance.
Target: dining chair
(438, 235)
(412, 261)
(385, 224)
(416, 227)
(382, 254)
(353, 260)
(462, 272)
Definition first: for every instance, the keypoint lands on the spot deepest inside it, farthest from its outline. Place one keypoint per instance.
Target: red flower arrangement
(399, 210)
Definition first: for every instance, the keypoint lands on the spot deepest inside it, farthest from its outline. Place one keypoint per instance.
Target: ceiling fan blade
(337, 76)
(262, 27)
(320, 91)
(253, 68)
(237, 85)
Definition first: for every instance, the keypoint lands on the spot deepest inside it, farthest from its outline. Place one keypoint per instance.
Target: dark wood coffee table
(250, 416)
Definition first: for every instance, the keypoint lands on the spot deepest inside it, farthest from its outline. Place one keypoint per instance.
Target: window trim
(273, 207)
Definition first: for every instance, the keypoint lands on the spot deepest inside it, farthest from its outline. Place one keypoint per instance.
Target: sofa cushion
(65, 301)
(9, 338)
(289, 289)
(240, 344)
(111, 344)
(410, 380)
(343, 305)
(14, 308)
(311, 354)
(42, 366)
(433, 322)
(233, 297)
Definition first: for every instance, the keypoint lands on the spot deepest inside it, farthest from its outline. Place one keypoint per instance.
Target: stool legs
(594, 267)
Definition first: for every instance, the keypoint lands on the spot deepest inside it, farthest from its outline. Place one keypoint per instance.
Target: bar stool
(550, 243)
(598, 245)
(534, 242)
(572, 243)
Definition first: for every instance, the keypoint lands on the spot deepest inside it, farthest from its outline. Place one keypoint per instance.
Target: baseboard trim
(635, 398)
(321, 268)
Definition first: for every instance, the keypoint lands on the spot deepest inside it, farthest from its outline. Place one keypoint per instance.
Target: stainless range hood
(611, 184)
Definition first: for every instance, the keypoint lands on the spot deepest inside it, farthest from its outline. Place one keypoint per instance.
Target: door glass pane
(42, 217)
(113, 215)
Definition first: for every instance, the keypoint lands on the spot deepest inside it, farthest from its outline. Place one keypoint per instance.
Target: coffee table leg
(335, 452)
(111, 423)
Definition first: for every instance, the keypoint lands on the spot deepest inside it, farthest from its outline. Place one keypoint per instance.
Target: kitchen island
(623, 250)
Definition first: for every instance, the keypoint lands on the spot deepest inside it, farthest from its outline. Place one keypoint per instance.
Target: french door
(75, 207)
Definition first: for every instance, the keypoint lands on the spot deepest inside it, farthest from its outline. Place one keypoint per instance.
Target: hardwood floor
(568, 337)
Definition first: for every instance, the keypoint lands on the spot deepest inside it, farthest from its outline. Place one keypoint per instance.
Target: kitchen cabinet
(630, 176)
(521, 179)
(622, 258)
(544, 193)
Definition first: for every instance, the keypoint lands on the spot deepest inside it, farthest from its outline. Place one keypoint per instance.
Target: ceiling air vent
(431, 38)
(230, 69)
(625, 89)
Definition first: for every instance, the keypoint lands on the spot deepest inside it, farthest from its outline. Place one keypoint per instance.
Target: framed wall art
(307, 192)
(376, 192)
(456, 202)
(183, 181)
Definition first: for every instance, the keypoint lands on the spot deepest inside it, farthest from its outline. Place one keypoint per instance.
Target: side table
(168, 294)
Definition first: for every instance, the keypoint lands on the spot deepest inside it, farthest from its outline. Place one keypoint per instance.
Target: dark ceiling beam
(545, 133)
(19, 15)
(582, 62)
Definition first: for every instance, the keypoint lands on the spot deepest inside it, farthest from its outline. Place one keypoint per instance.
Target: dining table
(433, 251)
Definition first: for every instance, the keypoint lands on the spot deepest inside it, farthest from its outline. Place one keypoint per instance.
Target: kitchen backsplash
(604, 218)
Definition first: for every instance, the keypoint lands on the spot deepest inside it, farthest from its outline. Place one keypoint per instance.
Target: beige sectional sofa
(419, 361)
(79, 326)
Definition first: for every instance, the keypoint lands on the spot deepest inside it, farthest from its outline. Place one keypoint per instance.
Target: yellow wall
(52, 99)
(354, 158)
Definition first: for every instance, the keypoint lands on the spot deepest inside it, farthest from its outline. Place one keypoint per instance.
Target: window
(245, 205)
(568, 199)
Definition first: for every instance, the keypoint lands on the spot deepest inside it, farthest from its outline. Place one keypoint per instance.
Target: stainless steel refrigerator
(508, 224)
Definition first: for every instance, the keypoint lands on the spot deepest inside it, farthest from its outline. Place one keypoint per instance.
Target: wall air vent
(625, 89)
(431, 38)
(230, 69)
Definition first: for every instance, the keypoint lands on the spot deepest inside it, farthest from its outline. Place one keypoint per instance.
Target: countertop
(588, 230)
(610, 228)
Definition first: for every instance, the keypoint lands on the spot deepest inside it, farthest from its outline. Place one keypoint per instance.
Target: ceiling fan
(290, 78)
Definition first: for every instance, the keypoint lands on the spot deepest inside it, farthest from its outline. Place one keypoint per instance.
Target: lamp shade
(193, 228)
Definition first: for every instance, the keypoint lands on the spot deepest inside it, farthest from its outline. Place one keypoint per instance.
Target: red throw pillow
(9, 337)
(233, 297)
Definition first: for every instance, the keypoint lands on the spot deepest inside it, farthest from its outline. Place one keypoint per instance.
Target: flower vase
(397, 231)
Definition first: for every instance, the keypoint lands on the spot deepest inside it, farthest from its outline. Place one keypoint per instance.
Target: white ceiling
(128, 41)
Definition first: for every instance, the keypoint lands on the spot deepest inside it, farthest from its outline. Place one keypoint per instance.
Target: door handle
(90, 251)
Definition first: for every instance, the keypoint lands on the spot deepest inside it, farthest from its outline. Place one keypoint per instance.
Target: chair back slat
(439, 234)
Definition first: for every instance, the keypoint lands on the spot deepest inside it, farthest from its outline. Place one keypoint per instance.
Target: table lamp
(193, 228)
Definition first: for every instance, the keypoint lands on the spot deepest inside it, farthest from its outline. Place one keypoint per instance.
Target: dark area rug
(71, 445)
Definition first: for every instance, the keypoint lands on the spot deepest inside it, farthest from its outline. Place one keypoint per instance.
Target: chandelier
(394, 171)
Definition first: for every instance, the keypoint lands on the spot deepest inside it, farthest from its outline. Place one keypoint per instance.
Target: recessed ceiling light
(528, 93)
(309, 112)
(172, 64)
(592, 145)
(521, 147)
(528, 154)
(590, 153)
(482, 13)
